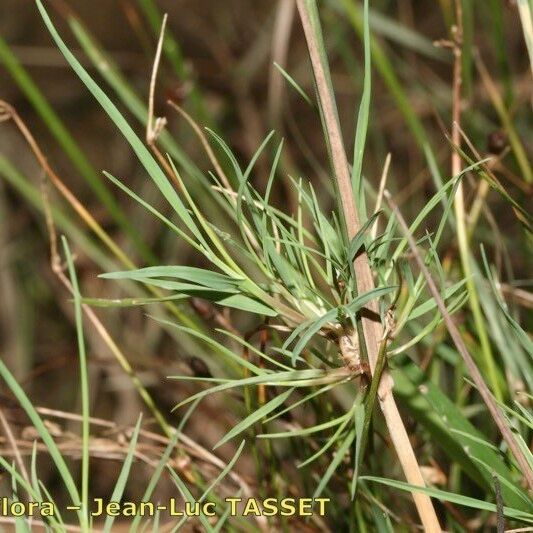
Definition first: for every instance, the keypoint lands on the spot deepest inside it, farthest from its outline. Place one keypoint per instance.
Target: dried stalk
(58, 269)
(8, 112)
(192, 447)
(13, 442)
(372, 329)
(155, 125)
(473, 370)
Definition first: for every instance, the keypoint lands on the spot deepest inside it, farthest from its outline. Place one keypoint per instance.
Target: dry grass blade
(7, 112)
(13, 443)
(473, 370)
(155, 125)
(58, 269)
(205, 144)
(371, 328)
(191, 446)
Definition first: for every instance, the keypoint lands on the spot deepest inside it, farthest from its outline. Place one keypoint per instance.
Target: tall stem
(459, 208)
(372, 329)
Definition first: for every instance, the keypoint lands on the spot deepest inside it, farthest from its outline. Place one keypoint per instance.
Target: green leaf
(225, 471)
(130, 302)
(305, 431)
(44, 434)
(84, 383)
(451, 497)
(200, 276)
(357, 242)
(430, 304)
(144, 156)
(440, 416)
(186, 493)
(339, 456)
(248, 304)
(294, 378)
(362, 118)
(294, 84)
(156, 476)
(241, 362)
(254, 417)
(120, 485)
(359, 416)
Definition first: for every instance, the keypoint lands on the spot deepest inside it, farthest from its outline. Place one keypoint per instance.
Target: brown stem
(473, 370)
(372, 330)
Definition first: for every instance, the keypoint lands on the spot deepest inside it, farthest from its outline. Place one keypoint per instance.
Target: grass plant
(298, 319)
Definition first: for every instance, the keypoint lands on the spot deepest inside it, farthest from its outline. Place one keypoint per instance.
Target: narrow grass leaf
(186, 493)
(120, 485)
(294, 84)
(254, 417)
(451, 497)
(84, 381)
(339, 456)
(146, 159)
(44, 434)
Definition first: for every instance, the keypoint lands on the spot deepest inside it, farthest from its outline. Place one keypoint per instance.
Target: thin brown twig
(473, 370)
(8, 112)
(207, 147)
(155, 126)
(194, 449)
(13, 443)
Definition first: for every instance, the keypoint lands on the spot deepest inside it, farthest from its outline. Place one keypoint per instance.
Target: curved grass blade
(339, 456)
(158, 471)
(305, 431)
(254, 417)
(144, 156)
(186, 493)
(45, 435)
